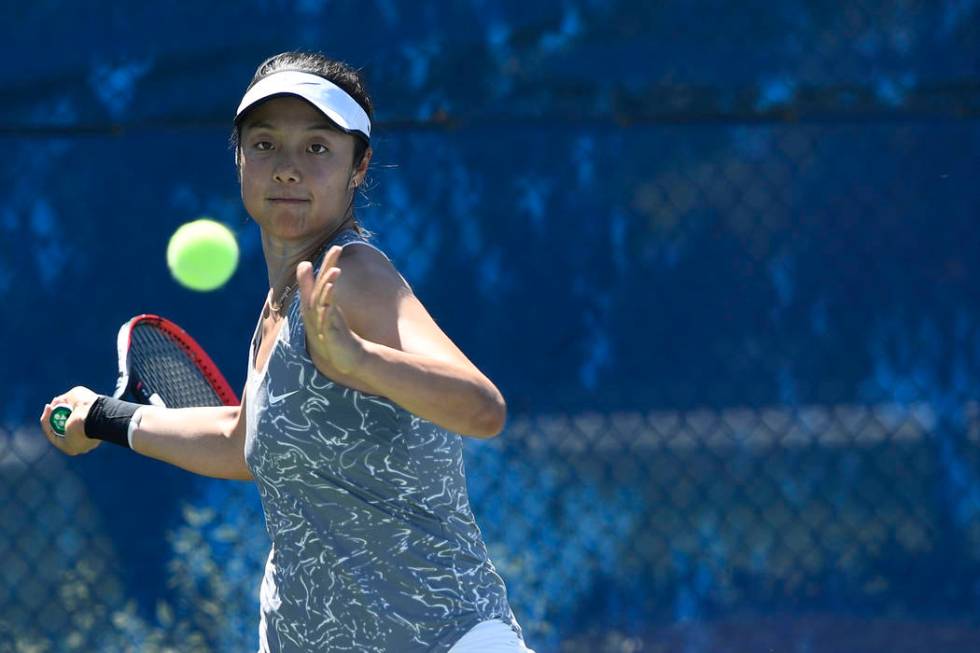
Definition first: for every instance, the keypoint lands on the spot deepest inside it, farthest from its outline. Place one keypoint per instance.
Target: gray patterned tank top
(374, 545)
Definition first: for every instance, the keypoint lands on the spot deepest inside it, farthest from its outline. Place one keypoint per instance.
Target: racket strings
(166, 366)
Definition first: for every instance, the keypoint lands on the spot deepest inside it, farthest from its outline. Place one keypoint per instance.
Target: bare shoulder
(381, 307)
(364, 269)
(371, 293)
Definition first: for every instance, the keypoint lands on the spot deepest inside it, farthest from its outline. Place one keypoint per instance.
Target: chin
(300, 229)
(287, 218)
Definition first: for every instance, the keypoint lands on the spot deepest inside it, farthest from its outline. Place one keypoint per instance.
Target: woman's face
(296, 170)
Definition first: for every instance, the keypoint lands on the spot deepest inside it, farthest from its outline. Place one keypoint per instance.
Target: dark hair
(338, 72)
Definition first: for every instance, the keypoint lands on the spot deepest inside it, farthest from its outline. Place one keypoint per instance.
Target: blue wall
(611, 206)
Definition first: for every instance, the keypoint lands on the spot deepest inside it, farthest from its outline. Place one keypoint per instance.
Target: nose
(286, 172)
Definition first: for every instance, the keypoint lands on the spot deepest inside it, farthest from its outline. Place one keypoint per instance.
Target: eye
(262, 146)
(318, 148)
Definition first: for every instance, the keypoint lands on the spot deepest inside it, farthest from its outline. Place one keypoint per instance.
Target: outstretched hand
(328, 335)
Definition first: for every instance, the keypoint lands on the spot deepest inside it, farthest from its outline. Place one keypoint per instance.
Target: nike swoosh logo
(273, 399)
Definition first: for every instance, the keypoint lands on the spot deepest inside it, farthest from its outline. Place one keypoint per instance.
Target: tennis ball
(202, 255)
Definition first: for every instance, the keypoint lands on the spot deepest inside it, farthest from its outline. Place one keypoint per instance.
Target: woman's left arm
(363, 322)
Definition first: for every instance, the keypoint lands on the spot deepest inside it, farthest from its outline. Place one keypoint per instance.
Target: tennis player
(355, 401)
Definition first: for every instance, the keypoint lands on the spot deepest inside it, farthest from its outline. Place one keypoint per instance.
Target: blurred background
(721, 258)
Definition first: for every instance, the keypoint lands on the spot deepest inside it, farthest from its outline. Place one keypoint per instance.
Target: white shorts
(492, 636)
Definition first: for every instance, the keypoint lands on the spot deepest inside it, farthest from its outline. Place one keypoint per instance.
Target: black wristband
(108, 419)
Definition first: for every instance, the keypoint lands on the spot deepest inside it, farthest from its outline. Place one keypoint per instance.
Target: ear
(357, 178)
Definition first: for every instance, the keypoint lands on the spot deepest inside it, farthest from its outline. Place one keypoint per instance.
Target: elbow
(241, 474)
(231, 424)
(492, 417)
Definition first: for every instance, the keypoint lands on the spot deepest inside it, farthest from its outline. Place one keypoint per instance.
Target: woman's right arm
(208, 441)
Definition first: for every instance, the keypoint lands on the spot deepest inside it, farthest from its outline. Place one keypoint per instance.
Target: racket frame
(124, 382)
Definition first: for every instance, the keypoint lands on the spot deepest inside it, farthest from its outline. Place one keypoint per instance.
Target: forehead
(287, 112)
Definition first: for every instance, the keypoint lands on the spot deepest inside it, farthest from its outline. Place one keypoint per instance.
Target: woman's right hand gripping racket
(160, 364)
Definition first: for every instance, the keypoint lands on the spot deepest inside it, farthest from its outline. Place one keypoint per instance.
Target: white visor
(333, 101)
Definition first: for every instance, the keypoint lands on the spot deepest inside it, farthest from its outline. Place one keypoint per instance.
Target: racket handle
(58, 418)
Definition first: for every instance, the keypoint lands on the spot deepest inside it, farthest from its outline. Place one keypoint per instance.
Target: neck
(282, 257)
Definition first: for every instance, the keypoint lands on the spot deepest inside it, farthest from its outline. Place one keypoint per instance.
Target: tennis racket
(161, 365)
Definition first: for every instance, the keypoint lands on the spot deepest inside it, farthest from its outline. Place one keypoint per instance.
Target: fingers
(333, 255)
(328, 269)
(318, 290)
(46, 425)
(304, 277)
(74, 441)
(59, 441)
(325, 291)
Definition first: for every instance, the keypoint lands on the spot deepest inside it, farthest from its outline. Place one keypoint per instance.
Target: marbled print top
(374, 545)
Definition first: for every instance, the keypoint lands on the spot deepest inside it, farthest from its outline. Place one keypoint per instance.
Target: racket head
(160, 364)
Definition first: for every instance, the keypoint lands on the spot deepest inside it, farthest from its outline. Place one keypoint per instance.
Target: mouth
(287, 200)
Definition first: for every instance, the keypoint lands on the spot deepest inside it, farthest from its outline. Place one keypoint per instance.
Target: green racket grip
(58, 418)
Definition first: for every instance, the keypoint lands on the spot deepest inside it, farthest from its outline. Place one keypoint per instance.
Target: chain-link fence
(806, 475)
(607, 529)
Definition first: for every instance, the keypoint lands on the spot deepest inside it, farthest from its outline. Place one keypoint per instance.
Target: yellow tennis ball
(202, 255)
